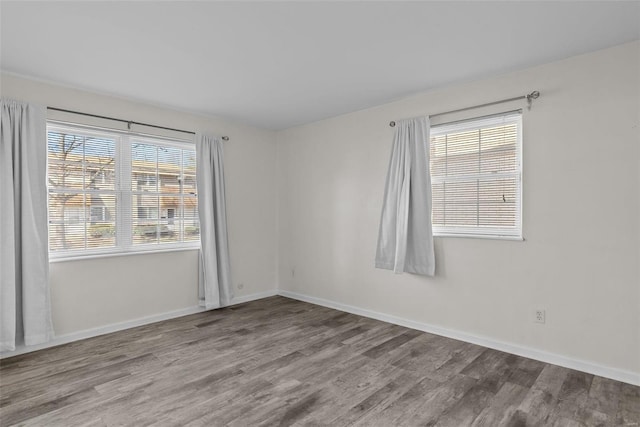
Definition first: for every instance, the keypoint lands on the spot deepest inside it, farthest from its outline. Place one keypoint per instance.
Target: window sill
(80, 257)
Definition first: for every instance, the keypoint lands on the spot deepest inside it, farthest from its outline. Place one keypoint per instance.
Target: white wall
(580, 215)
(95, 293)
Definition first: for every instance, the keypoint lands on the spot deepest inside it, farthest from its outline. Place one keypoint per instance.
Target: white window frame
(123, 192)
(511, 233)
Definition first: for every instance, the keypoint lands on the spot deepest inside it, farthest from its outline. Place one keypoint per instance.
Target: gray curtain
(25, 304)
(215, 288)
(405, 240)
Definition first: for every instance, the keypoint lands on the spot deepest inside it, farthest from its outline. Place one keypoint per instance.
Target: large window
(117, 192)
(476, 177)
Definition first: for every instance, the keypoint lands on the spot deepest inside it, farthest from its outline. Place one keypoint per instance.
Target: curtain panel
(405, 239)
(214, 284)
(25, 303)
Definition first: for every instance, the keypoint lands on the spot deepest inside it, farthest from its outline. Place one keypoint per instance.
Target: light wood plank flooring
(281, 362)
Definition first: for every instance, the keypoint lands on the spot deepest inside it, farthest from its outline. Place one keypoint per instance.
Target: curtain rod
(128, 122)
(530, 97)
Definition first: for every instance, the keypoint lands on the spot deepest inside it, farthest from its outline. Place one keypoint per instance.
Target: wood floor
(281, 362)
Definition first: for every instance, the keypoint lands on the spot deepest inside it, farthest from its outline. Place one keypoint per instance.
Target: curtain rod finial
(225, 138)
(392, 124)
(530, 97)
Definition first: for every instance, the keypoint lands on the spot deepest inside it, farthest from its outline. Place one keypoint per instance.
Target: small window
(476, 177)
(112, 191)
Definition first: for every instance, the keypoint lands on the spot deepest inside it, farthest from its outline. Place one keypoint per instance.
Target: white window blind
(111, 191)
(476, 177)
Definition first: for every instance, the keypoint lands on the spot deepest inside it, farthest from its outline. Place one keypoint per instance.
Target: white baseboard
(531, 353)
(555, 359)
(114, 327)
(253, 297)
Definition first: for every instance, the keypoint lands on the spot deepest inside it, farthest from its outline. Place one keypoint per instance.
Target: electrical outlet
(539, 316)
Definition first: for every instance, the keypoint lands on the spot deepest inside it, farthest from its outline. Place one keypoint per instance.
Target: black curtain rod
(128, 122)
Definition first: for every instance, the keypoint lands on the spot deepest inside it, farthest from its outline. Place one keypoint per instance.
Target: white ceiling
(277, 65)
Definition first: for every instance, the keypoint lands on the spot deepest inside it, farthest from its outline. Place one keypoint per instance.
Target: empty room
(367, 213)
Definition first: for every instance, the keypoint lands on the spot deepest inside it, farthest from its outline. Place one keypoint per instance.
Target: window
(111, 191)
(476, 177)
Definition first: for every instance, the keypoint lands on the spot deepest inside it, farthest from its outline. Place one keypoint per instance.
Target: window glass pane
(145, 207)
(169, 169)
(170, 220)
(99, 163)
(189, 185)
(100, 177)
(497, 204)
(169, 182)
(498, 145)
(145, 232)
(66, 207)
(145, 218)
(65, 175)
(65, 160)
(438, 203)
(463, 153)
(191, 222)
(102, 235)
(101, 207)
(170, 233)
(439, 155)
(66, 220)
(65, 146)
(189, 172)
(70, 214)
(144, 167)
(78, 161)
(160, 218)
(189, 162)
(69, 236)
(461, 203)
